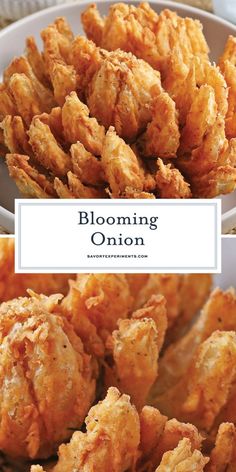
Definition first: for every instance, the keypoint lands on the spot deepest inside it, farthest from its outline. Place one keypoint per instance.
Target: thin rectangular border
(19, 203)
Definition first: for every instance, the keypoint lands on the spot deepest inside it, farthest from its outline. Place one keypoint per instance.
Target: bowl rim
(7, 220)
(73, 4)
(228, 221)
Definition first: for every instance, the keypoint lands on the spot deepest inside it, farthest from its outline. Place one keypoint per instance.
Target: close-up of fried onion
(116, 372)
(134, 109)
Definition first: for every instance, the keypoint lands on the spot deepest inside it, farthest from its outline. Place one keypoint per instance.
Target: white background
(49, 239)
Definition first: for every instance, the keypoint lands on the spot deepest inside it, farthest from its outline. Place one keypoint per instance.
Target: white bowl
(226, 9)
(12, 41)
(7, 220)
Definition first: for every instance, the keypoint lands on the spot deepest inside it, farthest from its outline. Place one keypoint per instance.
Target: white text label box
(118, 236)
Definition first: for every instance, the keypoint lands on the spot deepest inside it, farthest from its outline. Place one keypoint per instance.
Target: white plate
(12, 41)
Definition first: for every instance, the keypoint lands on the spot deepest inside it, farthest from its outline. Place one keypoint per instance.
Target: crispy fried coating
(113, 31)
(201, 116)
(54, 121)
(173, 432)
(46, 378)
(130, 192)
(183, 83)
(219, 313)
(3, 148)
(15, 136)
(13, 285)
(104, 298)
(118, 76)
(162, 137)
(159, 435)
(180, 83)
(86, 59)
(47, 467)
(152, 424)
(214, 179)
(31, 183)
(120, 165)
(185, 295)
(94, 304)
(80, 190)
(229, 53)
(170, 182)
(222, 454)
(111, 441)
(64, 28)
(189, 281)
(26, 98)
(7, 261)
(36, 61)
(183, 459)
(227, 413)
(166, 285)
(135, 349)
(210, 74)
(121, 93)
(227, 64)
(144, 33)
(86, 166)
(26, 185)
(229, 71)
(148, 176)
(62, 190)
(83, 326)
(210, 379)
(57, 39)
(76, 189)
(64, 80)
(136, 282)
(119, 88)
(211, 154)
(219, 181)
(78, 126)
(155, 308)
(93, 24)
(206, 157)
(7, 104)
(194, 291)
(135, 354)
(46, 149)
(20, 65)
(211, 370)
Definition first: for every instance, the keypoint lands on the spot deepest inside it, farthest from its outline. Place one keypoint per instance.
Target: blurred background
(12, 10)
(205, 4)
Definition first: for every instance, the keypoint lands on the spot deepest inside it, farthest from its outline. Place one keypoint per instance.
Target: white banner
(118, 236)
